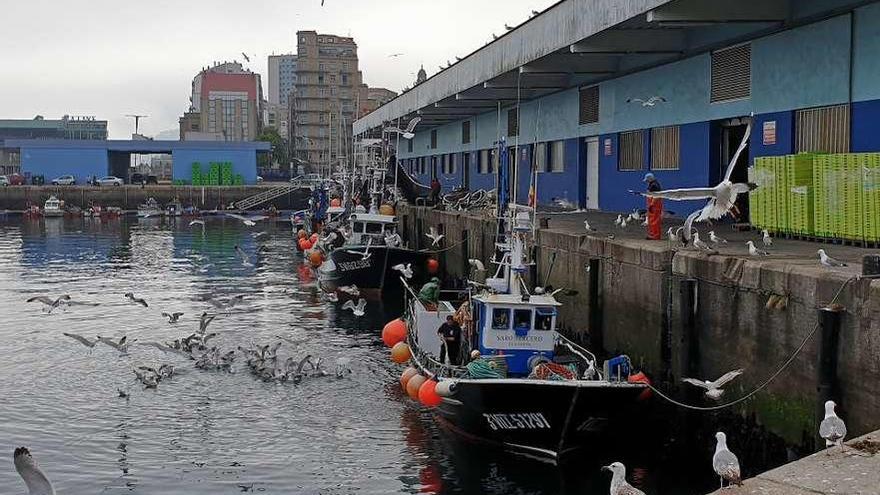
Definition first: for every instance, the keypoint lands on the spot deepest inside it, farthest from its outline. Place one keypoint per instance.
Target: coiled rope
(482, 368)
(766, 382)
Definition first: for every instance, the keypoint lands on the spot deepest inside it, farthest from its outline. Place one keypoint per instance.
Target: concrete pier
(853, 469)
(751, 313)
(128, 197)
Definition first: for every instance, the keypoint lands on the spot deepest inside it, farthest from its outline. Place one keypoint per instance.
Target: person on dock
(655, 208)
(430, 293)
(450, 337)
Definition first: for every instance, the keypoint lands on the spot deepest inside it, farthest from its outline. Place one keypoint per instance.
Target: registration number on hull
(347, 266)
(517, 421)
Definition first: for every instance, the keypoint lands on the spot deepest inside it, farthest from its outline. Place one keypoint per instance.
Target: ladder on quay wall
(262, 197)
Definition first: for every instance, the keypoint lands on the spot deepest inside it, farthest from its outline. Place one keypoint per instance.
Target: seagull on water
(358, 309)
(136, 300)
(765, 237)
(828, 261)
(173, 317)
(721, 198)
(405, 270)
(36, 481)
(725, 463)
(832, 428)
(165, 348)
(204, 320)
(754, 251)
(226, 305)
(619, 485)
(715, 239)
(713, 389)
(434, 236)
(82, 340)
(249, 221)
(51, 304)
(245, 259)
(650, 102)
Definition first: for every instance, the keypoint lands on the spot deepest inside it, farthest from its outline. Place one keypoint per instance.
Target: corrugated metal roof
(139, 145)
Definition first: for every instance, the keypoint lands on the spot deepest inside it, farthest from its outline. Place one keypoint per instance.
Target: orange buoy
(428, 394)
(414, 385)
(641, 377)
(335, 202)
(315, 258)
(394, 332)
(304, 244)
(400, 353)
(301, 234)
(406, 375)
(433, 266)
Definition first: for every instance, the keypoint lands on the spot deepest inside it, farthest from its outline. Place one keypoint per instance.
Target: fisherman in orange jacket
(655, 208)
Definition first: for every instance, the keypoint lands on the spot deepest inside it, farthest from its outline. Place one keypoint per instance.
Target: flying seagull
(477, 265)
(358, 309)
(405, 270)
(121, 345)
(365, 254)
(173, 317)
(248, 59)
(724, 462)
(204, 320)
(650, 102)
(351, 290)
(410, 127)
(249, 221)
(713, 389)
(245, 259)
(754, 251)
(50, 303)
(715, 239)
(832, 428)
(619, 486)
(434, 236)
(136, 300)
(393, 55)
(82, 340)
(828, 261)
(721, 198)
(36, 481)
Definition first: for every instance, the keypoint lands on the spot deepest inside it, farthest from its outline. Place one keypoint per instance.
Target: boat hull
(373, 276)
(539, 418)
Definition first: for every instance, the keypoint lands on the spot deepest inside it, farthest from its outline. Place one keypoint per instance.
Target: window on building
(541, 157)
(443, 169)
(466, 132)
(665, 143)
(434, 139)
(409, 145)
(452, 165)
(588, 112)
(557, 156)
(344, 78)
(424, 166)
(731, 73)
(631, 151)
(823, 129)
(483, 162)
(513, 122)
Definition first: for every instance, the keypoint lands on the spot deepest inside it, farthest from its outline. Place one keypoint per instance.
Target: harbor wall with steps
(640, 314)
(128, 197)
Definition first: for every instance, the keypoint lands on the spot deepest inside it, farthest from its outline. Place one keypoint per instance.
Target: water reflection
(210, 432)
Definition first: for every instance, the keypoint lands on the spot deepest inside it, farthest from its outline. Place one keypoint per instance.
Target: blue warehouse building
(563, 89)
(85, 158)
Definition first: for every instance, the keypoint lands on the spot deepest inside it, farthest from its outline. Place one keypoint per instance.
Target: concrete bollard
(828, 387)
(871, 264)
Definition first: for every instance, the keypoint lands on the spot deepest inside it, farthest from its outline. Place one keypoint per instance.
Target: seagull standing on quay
(725, 463)
(588, 227)
(715, 239)
(832, 428)
(765, 237)
(136, 300)
(721, 198)
(36, 481)
(619, 485)
(828, 261)
(713, 389)
(701, 245)
(754, 251)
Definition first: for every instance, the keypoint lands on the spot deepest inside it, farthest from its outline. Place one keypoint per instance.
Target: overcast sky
(111, 58)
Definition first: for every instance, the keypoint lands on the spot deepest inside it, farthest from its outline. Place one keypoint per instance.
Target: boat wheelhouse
(53, 207)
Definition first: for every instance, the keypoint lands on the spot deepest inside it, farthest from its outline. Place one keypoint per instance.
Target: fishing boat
(528, 389)
(174, 208)
(149, 208)
(53, 207)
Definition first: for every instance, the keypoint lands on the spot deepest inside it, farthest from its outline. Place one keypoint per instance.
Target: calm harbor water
(211, 432)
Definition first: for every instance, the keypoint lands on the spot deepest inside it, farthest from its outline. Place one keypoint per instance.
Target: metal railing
(262, 197)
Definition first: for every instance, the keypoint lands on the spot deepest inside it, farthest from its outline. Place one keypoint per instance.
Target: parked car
(64, 180)
(109, 181)
(4, 181)
(16, 179)
(137, 178)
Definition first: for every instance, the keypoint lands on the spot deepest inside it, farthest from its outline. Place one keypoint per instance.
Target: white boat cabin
(367, 226)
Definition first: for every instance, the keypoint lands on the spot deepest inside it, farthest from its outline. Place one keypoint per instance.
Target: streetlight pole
(396, 159)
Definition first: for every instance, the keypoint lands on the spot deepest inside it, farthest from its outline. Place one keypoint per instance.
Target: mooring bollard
(544, 222)
(597, 341)
(687, 291)
(871, 264)
(828, 387)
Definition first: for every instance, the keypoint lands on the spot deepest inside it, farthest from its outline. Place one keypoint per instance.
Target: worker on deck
(450, 340)
(430, 294)
(435, 191)
(655, 208)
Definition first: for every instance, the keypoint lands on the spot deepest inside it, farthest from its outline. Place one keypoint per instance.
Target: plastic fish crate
(871, 194)
(821, 196)
(853, 201)
(799, 189)
(782, 195)
(756, 205)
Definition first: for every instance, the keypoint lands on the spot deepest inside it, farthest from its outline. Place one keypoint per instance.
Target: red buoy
(428, 394)
(394, 332)
(433, 266)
